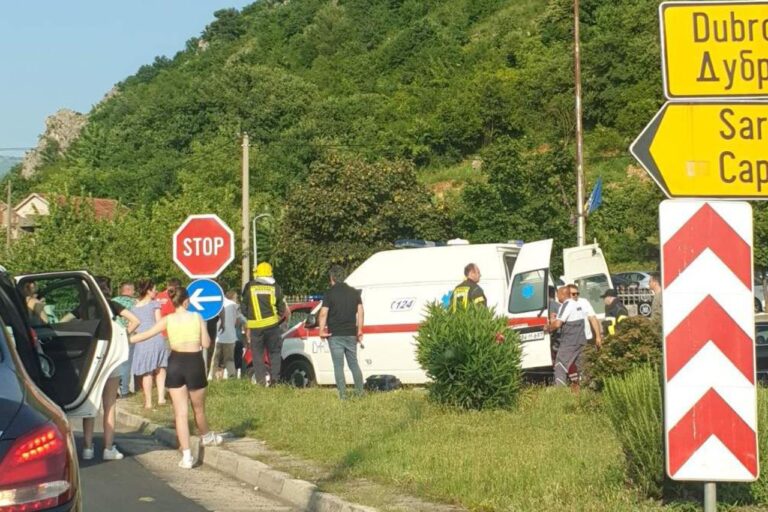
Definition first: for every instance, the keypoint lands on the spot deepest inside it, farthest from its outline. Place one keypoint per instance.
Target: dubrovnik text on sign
(715, 49)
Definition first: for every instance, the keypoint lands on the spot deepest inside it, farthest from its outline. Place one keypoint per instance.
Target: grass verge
(557, 451)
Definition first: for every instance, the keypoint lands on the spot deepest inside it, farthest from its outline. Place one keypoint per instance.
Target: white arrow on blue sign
(205, 297)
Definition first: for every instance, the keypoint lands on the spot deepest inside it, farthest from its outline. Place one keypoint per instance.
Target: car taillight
(35, 472)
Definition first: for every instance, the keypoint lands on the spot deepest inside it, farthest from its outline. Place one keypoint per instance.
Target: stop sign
(203, 246)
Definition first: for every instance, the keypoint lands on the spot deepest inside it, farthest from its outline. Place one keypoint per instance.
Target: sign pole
(710, 497)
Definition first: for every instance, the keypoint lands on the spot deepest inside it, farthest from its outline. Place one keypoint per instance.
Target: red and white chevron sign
(710, 400)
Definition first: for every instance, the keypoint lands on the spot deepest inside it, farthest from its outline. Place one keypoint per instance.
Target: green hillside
(405, 87)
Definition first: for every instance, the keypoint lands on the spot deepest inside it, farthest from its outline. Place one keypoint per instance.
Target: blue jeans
(341, 347)
(125, 373)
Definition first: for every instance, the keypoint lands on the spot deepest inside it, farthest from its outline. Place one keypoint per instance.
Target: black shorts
(186, 369)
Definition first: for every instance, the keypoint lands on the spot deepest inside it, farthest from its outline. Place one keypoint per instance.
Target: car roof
(761, 317)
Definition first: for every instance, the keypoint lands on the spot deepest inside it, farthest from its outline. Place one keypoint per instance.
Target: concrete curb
(300, 493)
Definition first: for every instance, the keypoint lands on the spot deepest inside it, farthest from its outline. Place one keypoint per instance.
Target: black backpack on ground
(382, 383)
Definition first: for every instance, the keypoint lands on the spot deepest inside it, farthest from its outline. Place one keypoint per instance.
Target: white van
(397, 285)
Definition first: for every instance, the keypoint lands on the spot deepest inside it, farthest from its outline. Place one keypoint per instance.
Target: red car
(291, 373)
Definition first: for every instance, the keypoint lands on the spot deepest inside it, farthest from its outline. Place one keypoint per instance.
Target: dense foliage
(633, 403)
(637, 342)
(425, 85)
(356, 209)
(471, 356)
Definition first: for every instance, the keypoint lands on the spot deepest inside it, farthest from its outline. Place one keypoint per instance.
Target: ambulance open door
(585, 267)
(527, 302)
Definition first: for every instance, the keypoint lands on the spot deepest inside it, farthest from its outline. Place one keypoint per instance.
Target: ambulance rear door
(527, 302)
(585, 267)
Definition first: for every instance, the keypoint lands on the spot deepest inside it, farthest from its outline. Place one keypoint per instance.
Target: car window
(529, 292)
(761, 334)
(298, 315)
(16, 328)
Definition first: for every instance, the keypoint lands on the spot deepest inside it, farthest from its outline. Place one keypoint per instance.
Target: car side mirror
(311, 321)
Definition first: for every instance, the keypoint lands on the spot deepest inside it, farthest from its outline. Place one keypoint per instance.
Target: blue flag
(596, 197)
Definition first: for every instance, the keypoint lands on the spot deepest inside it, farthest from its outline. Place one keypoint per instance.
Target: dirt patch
(634, 171)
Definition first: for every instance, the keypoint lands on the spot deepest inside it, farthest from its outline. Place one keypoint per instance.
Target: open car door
(585, 266)
(528, 301)
(76, 330)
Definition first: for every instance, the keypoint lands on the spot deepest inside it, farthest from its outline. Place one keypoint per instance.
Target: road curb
(300, 493)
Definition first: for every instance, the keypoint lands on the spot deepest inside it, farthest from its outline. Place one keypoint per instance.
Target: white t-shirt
(576, 310)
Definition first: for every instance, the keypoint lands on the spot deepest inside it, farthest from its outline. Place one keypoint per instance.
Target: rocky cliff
(61, 130)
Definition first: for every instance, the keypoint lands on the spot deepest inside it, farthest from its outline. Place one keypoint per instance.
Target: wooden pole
(246, 212)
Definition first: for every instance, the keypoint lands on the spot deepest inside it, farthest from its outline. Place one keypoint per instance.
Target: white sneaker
(212, 439)
(187, 462)
(112, 454)
(87, 453)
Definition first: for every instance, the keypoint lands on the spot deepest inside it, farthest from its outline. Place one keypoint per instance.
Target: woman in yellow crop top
(186, 379)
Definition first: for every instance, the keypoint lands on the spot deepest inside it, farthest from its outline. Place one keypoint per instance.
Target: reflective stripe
(460, 293)
(263, 307)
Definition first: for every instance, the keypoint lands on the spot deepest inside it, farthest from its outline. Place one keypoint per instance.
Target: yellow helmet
(263, 269)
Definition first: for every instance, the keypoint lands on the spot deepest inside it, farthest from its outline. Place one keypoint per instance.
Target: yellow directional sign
(714, 49)
(707, 150)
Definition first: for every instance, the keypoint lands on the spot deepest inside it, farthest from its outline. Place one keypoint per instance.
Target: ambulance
(397, 285)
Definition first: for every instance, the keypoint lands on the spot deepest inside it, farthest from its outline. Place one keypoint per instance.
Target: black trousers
(270, 340)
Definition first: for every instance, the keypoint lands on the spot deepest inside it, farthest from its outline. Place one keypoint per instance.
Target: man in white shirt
(574, 319)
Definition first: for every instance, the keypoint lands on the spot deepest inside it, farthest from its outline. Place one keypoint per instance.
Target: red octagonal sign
(203, 246)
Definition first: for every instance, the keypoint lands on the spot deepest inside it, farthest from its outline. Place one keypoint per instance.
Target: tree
(347, 210)
(527, 195)
(627, 222)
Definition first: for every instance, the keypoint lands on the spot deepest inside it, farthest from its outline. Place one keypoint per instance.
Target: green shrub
(471, 357)
(637, 342)
(633, 403)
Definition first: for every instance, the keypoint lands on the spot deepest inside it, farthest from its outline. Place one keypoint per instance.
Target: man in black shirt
(469, 292)
(615, 310)
(341, 323)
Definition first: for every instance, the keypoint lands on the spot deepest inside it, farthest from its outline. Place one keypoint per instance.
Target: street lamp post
(580, 214)
(255, 245)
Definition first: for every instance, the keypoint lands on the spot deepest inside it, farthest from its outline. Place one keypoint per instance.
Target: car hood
(11, 397)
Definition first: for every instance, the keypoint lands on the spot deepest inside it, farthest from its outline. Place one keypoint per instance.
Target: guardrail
(637, 300)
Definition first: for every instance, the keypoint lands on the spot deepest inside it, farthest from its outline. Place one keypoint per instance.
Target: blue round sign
(205, 297)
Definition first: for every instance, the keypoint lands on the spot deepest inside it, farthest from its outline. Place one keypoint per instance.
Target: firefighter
(615, 311)
(264, 307)
(468, 291)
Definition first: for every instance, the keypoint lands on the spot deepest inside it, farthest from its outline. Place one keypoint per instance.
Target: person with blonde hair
(186, 379)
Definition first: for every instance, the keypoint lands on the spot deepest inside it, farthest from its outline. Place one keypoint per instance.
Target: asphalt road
(148, 479)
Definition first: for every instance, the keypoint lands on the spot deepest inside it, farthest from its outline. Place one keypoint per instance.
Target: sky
(68, 53)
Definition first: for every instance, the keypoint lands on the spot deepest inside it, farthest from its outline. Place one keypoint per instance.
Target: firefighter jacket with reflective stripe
(468, 292)
(263, 304)
(615, 313)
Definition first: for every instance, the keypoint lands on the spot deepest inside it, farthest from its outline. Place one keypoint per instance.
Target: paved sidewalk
(233, 459)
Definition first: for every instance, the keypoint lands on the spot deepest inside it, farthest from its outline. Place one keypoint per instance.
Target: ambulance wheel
(298, 372)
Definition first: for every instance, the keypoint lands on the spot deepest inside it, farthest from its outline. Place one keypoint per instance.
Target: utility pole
(8, 218)
(580, 215)
(245, 213)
